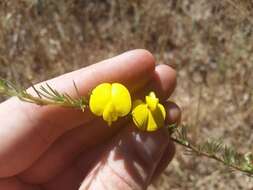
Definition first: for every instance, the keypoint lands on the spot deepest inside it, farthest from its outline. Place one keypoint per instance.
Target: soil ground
(208, 42)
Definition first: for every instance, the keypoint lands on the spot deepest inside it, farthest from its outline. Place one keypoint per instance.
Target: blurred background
(208, 42)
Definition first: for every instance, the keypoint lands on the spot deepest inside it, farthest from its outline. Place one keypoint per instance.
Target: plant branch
(216, 150)
(46, 95)
(212, 149)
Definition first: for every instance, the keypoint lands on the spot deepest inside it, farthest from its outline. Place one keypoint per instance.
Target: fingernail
(173, 115)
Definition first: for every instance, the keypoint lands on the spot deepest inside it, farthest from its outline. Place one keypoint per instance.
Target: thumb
(130, 161)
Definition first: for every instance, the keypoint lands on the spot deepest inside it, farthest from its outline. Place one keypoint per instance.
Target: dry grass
(208, 42)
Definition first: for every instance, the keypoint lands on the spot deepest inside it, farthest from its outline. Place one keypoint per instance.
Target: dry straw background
(209, 42)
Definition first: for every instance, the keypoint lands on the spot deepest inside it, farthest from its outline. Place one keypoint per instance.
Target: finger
(35, 128)
(15, 184)
(72, 177)
(130, 161)
(65, 150)
(163, 82)
(145, 169)
(173, 115)
(165, 160)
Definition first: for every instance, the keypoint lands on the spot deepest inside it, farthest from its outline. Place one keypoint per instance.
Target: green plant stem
(46, 95)
(205, 154)
(42, 101)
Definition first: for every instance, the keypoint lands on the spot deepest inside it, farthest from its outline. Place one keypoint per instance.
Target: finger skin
(73, 176)
(35, 128)
(164, 81)
(135, 159)
(129, 161)
(14, 183)
(173, 115)
(65, 149)
(165, 160)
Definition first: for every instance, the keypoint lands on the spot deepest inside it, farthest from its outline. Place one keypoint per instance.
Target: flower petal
(109, 113)
(158, 115)
(121, 99)
(152, 123)
(140, 116)
(149, 116)
(162, 109)
(99, 98)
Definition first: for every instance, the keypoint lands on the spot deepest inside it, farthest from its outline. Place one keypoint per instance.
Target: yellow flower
(110, 101)
(149, 116)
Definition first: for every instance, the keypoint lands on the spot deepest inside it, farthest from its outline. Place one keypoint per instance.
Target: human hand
(50, 147)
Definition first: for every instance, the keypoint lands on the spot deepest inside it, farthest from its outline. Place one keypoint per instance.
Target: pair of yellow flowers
(113, 101)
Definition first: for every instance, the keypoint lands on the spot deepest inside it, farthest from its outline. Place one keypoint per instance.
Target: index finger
(31, 129)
